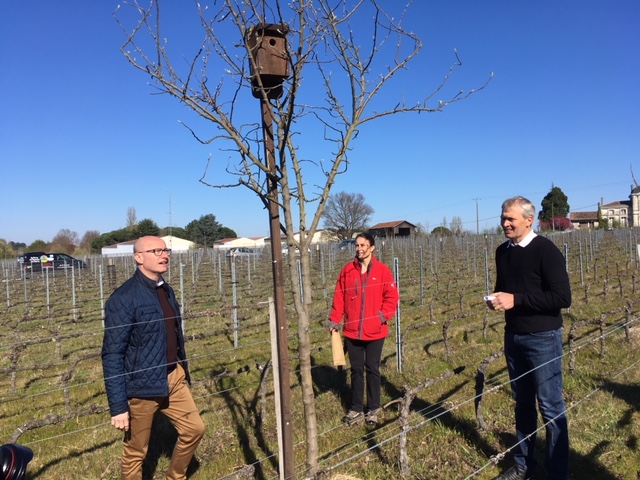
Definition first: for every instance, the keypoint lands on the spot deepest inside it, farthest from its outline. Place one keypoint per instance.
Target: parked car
(242, 252)
(285, 250)
(348, 244)
(31, 258)
(36, 261)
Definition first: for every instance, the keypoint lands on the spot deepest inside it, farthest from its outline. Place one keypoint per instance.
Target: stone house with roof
(622, 214)
(625, 213)
(398, 228)
(617, 213)
(584, 220)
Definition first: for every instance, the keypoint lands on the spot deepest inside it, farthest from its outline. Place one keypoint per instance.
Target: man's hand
(502, 301)
(121, 422)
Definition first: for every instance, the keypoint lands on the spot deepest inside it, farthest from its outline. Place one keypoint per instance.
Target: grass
(42, 346)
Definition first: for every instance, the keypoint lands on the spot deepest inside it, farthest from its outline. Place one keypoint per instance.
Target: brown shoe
(352, 417)
(371, 418)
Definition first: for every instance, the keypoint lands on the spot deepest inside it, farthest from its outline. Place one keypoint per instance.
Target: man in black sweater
(532, 286)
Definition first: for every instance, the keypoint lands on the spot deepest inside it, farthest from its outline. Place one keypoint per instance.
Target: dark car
(36, 261)
(349, 244)
(30, 258)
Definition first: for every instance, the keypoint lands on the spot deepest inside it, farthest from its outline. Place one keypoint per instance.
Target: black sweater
(537, 277)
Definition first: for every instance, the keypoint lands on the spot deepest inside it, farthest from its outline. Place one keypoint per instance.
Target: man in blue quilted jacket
(145, 364)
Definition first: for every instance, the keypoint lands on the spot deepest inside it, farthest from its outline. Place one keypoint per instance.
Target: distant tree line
(204, 231)
(345, 214)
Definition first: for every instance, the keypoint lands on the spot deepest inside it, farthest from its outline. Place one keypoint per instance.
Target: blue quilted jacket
(134, 349)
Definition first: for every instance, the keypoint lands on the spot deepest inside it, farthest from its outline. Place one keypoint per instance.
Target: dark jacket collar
(146, 281)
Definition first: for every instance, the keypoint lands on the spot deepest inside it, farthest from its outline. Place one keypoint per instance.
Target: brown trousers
(181, 410)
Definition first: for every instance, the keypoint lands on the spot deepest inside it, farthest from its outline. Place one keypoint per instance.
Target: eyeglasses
(158, 251)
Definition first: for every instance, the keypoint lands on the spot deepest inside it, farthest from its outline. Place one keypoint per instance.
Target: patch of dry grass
(41, 347)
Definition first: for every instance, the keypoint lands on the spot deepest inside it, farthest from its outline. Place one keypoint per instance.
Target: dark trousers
(365, 356)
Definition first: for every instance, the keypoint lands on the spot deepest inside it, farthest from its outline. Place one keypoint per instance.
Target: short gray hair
(528, 208)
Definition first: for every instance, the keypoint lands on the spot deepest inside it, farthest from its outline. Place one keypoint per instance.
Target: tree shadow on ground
(630, 393)
(241, 414)
(331, 379)
(163, 439)
(41, 472)
(581, 466)
(466, 429)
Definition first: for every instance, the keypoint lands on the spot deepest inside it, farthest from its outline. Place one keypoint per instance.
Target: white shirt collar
(525, 241)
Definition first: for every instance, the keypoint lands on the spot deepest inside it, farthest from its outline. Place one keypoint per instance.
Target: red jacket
(366, 302)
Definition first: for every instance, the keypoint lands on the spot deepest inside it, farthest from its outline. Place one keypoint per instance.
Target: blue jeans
(535, 369)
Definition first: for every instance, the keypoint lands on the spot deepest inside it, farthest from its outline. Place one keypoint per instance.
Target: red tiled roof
(390, 224)
(583, 216)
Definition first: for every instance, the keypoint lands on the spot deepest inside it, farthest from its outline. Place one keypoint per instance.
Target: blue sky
(83, 138)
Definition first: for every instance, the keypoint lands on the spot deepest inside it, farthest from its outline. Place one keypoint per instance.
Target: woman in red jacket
(366, 298)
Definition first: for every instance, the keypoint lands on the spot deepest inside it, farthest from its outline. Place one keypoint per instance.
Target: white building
(227, 243)
(126, 248)
(623, 213)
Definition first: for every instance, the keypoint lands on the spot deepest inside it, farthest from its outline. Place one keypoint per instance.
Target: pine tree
(555, 208)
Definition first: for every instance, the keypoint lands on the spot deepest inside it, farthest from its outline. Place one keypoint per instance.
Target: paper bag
(338, 351)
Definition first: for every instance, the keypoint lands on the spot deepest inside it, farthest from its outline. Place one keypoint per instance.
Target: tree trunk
(303, 310)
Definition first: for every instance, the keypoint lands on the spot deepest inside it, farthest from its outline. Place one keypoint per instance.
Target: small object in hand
(489, 298)
(337, 349)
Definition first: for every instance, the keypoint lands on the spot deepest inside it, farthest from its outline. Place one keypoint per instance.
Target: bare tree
(341, 56)
(456, 226)
(347, 213)
(132, 218)
(88, 238)
(65, 241)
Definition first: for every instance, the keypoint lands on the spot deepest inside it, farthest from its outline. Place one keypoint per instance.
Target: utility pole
(269, 67)
(171, 220)
(279, 300)
(477, 217)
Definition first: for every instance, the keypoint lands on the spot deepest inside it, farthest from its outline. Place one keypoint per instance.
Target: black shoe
(514, 473)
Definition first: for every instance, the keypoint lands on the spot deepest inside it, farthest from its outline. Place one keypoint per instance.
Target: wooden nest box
(270, 66)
